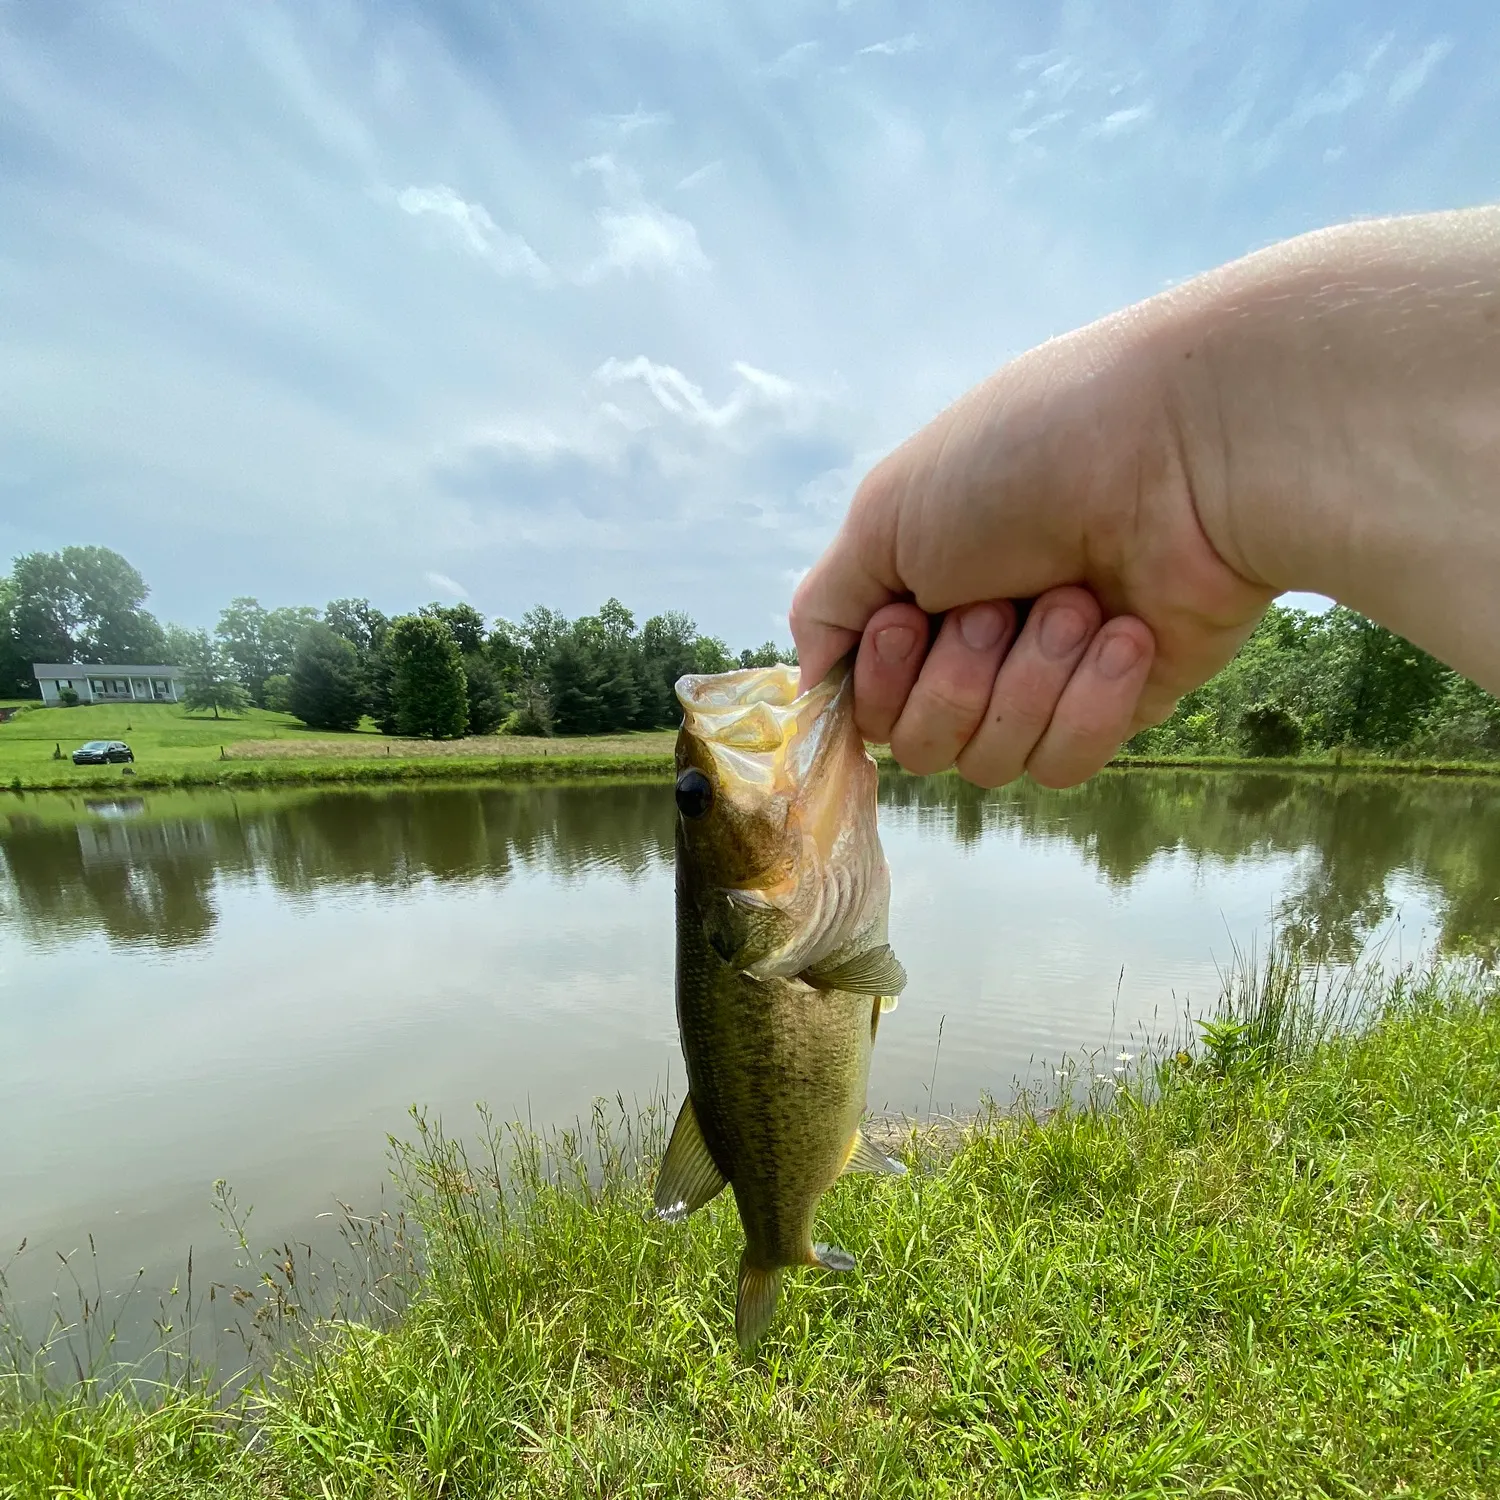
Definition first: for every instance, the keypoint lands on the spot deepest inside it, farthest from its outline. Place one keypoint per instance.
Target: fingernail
(981, 626)
(894, 644)
(1062, 631)
(1118, 655)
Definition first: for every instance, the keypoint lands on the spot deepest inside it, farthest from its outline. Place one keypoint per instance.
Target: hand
(1068, 478)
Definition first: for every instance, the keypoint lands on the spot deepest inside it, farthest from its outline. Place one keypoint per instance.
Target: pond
(257, 986)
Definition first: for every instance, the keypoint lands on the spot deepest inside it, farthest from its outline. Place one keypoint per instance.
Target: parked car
(102, 753)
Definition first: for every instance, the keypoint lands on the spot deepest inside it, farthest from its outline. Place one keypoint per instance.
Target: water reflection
(1350, 835)
(146, 871)
(71, 868)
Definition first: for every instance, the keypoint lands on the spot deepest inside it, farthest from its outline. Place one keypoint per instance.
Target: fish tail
(756, 1304)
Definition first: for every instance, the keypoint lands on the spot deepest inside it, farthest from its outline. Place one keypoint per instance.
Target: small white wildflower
(1102, 1078)
(1119, 1067)
(1125, 1057)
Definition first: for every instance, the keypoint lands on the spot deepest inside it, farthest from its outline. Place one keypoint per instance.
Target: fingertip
(891, 651)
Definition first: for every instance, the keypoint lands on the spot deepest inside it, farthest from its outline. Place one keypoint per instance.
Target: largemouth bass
(783, 968)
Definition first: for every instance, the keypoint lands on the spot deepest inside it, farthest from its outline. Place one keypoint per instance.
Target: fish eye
(695, 793)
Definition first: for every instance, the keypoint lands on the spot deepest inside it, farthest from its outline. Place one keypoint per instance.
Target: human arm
(1322, 415)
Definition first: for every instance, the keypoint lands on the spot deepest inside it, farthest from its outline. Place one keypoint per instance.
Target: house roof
(53, 670)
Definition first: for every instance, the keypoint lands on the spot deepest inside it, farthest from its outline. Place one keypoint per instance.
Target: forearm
(1338, 399)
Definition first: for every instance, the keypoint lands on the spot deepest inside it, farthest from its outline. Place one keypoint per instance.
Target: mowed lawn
(168, 739)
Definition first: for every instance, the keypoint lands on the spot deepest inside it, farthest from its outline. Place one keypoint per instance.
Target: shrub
(1270, 729)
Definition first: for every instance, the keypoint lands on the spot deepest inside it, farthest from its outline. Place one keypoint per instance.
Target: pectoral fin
(864, 1157)
(876, 971)
(688, 1178)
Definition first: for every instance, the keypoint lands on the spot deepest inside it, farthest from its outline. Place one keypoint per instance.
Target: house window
(64, 684)
(162, 687)
(96, 685)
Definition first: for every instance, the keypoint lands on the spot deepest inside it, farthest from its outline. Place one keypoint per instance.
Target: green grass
(1270, 1270)
(258, 748)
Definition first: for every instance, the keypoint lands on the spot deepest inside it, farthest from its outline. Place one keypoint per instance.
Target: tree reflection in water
(146, 871)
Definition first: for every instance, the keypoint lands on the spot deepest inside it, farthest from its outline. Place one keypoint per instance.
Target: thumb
(847, 584)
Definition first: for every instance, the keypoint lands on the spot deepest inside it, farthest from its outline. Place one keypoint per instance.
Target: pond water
(257, 986)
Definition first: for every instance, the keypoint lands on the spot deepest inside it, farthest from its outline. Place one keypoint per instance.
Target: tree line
(1303, 682)
(440, 671)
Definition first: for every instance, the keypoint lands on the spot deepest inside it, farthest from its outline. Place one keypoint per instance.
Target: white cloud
(676, 394)
(701, 174)
(446, 585)
(1121, 120)
(893, 46)
(475, 230)
(795, 61)
(637, 119)
(648, 239)
(1411, 78)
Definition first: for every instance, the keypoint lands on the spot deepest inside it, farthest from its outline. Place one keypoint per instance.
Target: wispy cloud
(637, 119)
(892, 46)
(1411, 78)
(1118, 121)
(450, 587)
(473, 228)
(795, 61)
(649, 240)
(699, 175)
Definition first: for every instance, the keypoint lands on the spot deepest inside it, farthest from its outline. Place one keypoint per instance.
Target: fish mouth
(758, 727)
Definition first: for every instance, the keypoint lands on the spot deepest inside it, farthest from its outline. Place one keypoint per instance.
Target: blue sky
(538, 304)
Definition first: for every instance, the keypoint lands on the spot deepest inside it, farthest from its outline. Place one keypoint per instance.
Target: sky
(538, 304)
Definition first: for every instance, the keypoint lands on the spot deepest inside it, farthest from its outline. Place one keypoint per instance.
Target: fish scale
(777, 1062)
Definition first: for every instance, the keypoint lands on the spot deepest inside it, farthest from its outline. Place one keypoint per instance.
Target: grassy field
(176, 748)
(1269, 1268)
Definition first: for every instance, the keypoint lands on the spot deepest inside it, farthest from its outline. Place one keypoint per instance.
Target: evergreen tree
(429, 693)
(488, 703)
(326, 688)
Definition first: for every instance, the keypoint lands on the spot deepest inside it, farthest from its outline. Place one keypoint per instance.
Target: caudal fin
(756, 1304)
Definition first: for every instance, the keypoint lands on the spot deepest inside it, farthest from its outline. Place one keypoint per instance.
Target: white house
(105, 684)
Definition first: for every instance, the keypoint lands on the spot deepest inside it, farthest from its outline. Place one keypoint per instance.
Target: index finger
(847, 584)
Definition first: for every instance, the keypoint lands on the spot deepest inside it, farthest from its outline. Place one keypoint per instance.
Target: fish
(784, 966)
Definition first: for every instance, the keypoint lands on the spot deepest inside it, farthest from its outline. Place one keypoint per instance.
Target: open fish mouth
(758, 727)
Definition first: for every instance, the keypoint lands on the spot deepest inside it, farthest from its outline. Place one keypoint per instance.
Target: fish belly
(778, 1073)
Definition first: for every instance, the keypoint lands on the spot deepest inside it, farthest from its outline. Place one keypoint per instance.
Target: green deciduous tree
(326, 688)
(277, 693)
(261, 642)
(428, 689)
(210, 682)
(82, 604)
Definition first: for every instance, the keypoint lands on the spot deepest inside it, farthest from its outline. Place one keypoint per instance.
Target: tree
(573, 677)
(1270, 729)
(428, 688)
(1373, 687)
(277, 693)
(82, 604)
(488, 702)
(261, 642)
(768, 655)
(210, 676)
(326, 689)
(358, 621)
(466, 623)
(16, 679)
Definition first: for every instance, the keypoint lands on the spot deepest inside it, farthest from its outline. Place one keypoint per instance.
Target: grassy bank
(176, 748)
(1271, 1270)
